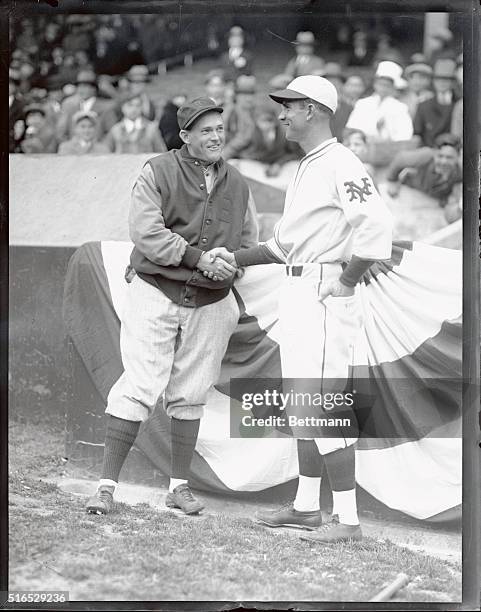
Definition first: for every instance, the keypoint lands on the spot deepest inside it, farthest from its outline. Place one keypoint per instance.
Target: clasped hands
(218, 264)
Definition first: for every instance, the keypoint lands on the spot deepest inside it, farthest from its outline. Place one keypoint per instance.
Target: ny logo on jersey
(354, 191)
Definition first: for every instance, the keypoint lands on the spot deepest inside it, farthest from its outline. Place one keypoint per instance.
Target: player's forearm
(255, 256)
(355, 270)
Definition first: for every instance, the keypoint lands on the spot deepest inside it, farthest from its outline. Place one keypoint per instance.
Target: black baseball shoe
(333, 532)
(288, 516)
(103, 500)
(181, 497)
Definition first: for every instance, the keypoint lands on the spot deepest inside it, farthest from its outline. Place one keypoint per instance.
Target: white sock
(175, 482)
(307, 496)
(344, 504)
(107, 483)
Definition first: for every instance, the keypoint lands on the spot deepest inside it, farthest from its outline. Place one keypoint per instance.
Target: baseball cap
(192, 110)
(309, 86)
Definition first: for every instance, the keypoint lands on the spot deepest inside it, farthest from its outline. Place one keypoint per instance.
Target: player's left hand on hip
(335, 289)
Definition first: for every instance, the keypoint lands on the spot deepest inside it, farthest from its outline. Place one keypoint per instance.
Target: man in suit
(237, 59)
(305, 62)
(433, 117)
(418, 77)
(138, 77)
(85, 98)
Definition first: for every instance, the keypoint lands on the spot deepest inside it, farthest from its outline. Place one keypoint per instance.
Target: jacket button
(204, 240)
(208, 221)
(186, 299)
(202, 185)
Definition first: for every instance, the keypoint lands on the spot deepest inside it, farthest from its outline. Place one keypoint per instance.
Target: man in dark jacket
(435, 171)
(176, 323)
(433, 117)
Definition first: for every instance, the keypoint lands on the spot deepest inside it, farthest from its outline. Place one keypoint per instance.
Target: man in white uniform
(381, 116)
(333, 227)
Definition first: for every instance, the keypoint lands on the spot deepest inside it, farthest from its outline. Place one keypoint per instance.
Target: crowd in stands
(79, 86)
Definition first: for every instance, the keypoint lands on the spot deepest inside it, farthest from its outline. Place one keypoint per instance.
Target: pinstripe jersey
(332, 211)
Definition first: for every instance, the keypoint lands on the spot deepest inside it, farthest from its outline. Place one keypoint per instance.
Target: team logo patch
(354, 191)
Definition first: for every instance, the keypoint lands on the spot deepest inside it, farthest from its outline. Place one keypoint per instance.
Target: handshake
(218, 264)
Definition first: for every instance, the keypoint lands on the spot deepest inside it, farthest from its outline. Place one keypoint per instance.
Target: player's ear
(310, 110)
(185, 136)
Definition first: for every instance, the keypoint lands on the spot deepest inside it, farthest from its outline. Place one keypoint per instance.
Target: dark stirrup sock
(183, 435)
(119, 438)
(310, 459)
(341, 468)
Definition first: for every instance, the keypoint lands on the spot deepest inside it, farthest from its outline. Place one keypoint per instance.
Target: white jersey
(332, 211)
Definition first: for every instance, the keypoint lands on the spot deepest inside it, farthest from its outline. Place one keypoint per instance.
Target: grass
(138, 553)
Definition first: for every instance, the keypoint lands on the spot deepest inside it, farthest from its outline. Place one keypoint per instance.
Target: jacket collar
(220, 166)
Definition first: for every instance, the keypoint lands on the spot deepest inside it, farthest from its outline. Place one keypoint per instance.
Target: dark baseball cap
(192, 110)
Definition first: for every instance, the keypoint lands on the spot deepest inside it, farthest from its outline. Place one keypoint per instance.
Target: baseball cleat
(288, 516)
(102, 502)
(333, 532)
(181, 497)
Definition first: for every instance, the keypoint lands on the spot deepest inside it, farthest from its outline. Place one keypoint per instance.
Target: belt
(297, 270)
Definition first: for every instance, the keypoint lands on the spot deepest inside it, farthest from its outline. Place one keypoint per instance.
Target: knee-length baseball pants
(317, 340)
(169, 350)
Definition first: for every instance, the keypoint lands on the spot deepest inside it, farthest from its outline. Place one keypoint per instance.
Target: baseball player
(334, 225)
(176, 323)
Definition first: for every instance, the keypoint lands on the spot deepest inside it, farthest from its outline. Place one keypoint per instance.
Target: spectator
(381, 116)
(239, 119)
(16, 106)
(362, 53)
(457, 116)
(356, 141)
(79, 38)
(353, 89)
(440, 45)
(269, 144)
(434, 171)
(84, 140)
(333, 73)
(85, 98)
(138, 77)
(386, 52)
(433, 117)
(419, 90)
(237, 58)
(38, 136)
(216, 86)
(134, 133)
(168, 124)
(305, 62)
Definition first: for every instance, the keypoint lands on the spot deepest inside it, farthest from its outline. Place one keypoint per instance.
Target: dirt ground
(141, 552)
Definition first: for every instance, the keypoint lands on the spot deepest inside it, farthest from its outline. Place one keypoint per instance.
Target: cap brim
(286, 94)
(217, 109)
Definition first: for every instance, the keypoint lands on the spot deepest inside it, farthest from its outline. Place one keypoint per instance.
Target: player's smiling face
(293, 118)
(206, 139)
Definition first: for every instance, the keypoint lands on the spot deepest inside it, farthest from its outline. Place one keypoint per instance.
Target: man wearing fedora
(176, 323)
(334, 225)
(85, 98)
(138, 77)
(237, 59)
(38, 136)
(305, 62)
(419, 77)
(381, 116)
(433, 117)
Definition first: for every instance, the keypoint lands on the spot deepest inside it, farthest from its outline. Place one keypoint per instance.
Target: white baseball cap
(309, 86)
(391, 70)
